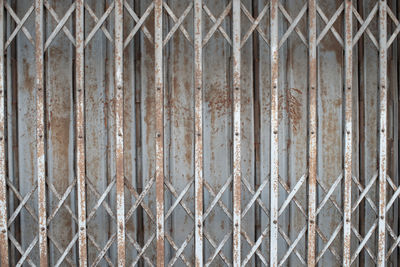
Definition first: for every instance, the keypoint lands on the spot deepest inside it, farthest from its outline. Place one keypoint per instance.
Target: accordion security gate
(199, 133)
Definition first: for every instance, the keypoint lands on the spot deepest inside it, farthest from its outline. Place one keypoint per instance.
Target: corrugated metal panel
(199, 133)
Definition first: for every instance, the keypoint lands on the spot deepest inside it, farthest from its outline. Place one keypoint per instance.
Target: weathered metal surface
(348, 129)
(237, 173)
(274, 133)
(382, 132)
(40, 133)
(159, 134)
(198, 84)
(145, 133)
(80, 132)
(312, 131)
(3, 189)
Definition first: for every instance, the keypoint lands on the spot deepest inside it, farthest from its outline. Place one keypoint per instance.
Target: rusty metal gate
(199, 133)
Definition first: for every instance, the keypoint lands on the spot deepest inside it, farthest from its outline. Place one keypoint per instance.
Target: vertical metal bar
(3, 189)
(198, 154)
(383, 131)
(159, 105)
(80, 130)
(237, 133)
(40, 153)
(348, 54)
(312, 157)
(274, 133)
(119, 123)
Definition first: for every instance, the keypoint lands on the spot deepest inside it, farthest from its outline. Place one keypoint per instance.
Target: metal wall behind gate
(199, 133)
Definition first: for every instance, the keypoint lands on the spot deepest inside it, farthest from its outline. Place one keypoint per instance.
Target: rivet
(237, 134)
(237, 88)
(199, 225)
(275, 132)
(158, 88)
(158, 134)
(348, 132)
(275, 222)
(40, 135)
(39, 88)
(3, 231)
(43, 228)
(199, 134)
(349, 88)
(198, 88)
(312, 87)
(382, 217)
(119, 134)
(347, 220)
(312, 132)
(1, 138)
(119, 87)
(383, 130)
(236, 224)
(312, 221)
(82, 228)
(80, 136)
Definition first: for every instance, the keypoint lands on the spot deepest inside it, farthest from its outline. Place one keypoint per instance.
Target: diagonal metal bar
(22, 203)
(139, 199)
(56, 18)
(218, 250)
(364, 191)
(178, 199)
(178, 22)
(363, 242)
(20, 24)
(364, 25)
(255, 247)
(292, 193)
(328, 195)
(255, 197)
(293, 24)
(329, 24)
(96, 20)
(217, 24)
(99, 23)
(396, 23)
(180, 250)
(24, 255)
(139, 23)
(214, 20)
(290, 243)
(293, 246)
(59, 26)
(254, 24)
(103, 252)
(217, 198)
(329, 242)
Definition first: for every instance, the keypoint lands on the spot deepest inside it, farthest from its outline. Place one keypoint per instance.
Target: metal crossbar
(137, 85)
